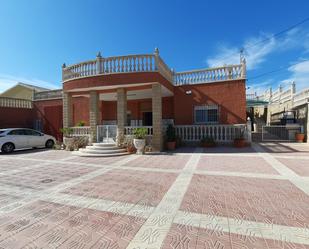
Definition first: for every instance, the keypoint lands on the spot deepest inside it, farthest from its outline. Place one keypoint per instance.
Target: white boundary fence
(220, 133)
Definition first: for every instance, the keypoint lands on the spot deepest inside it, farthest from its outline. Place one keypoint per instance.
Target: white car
(23, 138)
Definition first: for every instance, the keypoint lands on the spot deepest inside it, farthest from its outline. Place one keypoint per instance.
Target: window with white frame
(206, 114)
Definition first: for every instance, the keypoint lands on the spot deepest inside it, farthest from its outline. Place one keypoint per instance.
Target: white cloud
(255, 52)
(7, 81)
(257, 49)
(299, 74)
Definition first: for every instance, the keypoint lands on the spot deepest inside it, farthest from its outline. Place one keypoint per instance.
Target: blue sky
(37, 36)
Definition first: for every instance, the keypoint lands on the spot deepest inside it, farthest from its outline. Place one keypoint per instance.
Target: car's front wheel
(49, 144)
(8, 148)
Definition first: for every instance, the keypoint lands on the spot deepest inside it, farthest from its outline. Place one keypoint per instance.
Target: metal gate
(106, 133)
(279, 133)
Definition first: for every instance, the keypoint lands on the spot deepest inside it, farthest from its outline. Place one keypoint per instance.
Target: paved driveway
(213, 198)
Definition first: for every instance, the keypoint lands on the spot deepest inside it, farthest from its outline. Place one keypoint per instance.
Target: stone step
(95, 147)
(85, 154)
(104, 144)
(94, 151)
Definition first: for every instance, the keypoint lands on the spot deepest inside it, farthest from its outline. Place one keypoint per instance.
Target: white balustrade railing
(220, 133)
(150, 63)
(15, 103)
(209, 75)
(128, 130)
(286, 96)
(51, 94)
(81, 131)
(301, 98)
(111, 65)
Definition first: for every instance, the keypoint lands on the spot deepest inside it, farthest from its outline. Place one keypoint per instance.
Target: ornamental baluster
(146, 63)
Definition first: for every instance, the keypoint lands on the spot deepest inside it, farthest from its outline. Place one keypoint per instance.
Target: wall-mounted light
(188, 92)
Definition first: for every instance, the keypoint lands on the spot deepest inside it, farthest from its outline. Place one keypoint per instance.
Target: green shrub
(140, 133)
(81, 123)
(67, 132)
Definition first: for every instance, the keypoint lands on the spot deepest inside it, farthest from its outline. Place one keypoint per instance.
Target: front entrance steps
(101, 150)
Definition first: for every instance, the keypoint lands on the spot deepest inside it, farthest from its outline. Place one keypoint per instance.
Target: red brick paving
(299, 166)
(160, 161)
(262, 200)
(236, 164)
(96, 160)
(188, 237)
(127, 186)
(39, 178)
(41, 224)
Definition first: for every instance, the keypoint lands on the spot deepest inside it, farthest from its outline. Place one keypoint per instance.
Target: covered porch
(113, 112)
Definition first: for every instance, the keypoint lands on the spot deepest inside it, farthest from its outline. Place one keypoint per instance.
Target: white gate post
(249, 136)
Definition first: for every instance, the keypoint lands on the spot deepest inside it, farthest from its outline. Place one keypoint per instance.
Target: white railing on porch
(220, 133)
(81, 131)
(128, 130)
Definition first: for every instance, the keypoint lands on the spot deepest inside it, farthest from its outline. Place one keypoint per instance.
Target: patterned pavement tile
(126, 186)
(160, 161)
(261, 200)
(48, 154)
(228, 150)
(188, 237)
(69, 227)
(286, 149)
(45, 176)
(231, 209)
(299, 166)
(96, 160)
(236, 164)
(9, 164)
(8, 199)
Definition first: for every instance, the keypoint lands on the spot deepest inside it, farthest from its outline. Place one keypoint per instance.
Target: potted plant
(128, 144)
(300, 136)
(240, 141)
(68, 139)
(81, 123)
(171, 137)
(139, 140)
(208, 142)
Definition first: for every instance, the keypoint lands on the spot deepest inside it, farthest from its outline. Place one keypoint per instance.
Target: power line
(267, 39)
(276, 70)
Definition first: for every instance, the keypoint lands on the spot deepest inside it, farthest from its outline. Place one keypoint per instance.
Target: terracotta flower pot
(131, 149)
(299, 137)
(171, 145)
(240, 143)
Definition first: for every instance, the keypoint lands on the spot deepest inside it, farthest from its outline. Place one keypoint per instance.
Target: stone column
(67, 110)
(121, 113)
(157, 136)
(93, 115)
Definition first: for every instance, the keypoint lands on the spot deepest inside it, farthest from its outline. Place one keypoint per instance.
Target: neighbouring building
(22, 91)
(141, 90)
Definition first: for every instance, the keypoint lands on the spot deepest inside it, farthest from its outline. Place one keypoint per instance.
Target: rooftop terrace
(151, 63)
